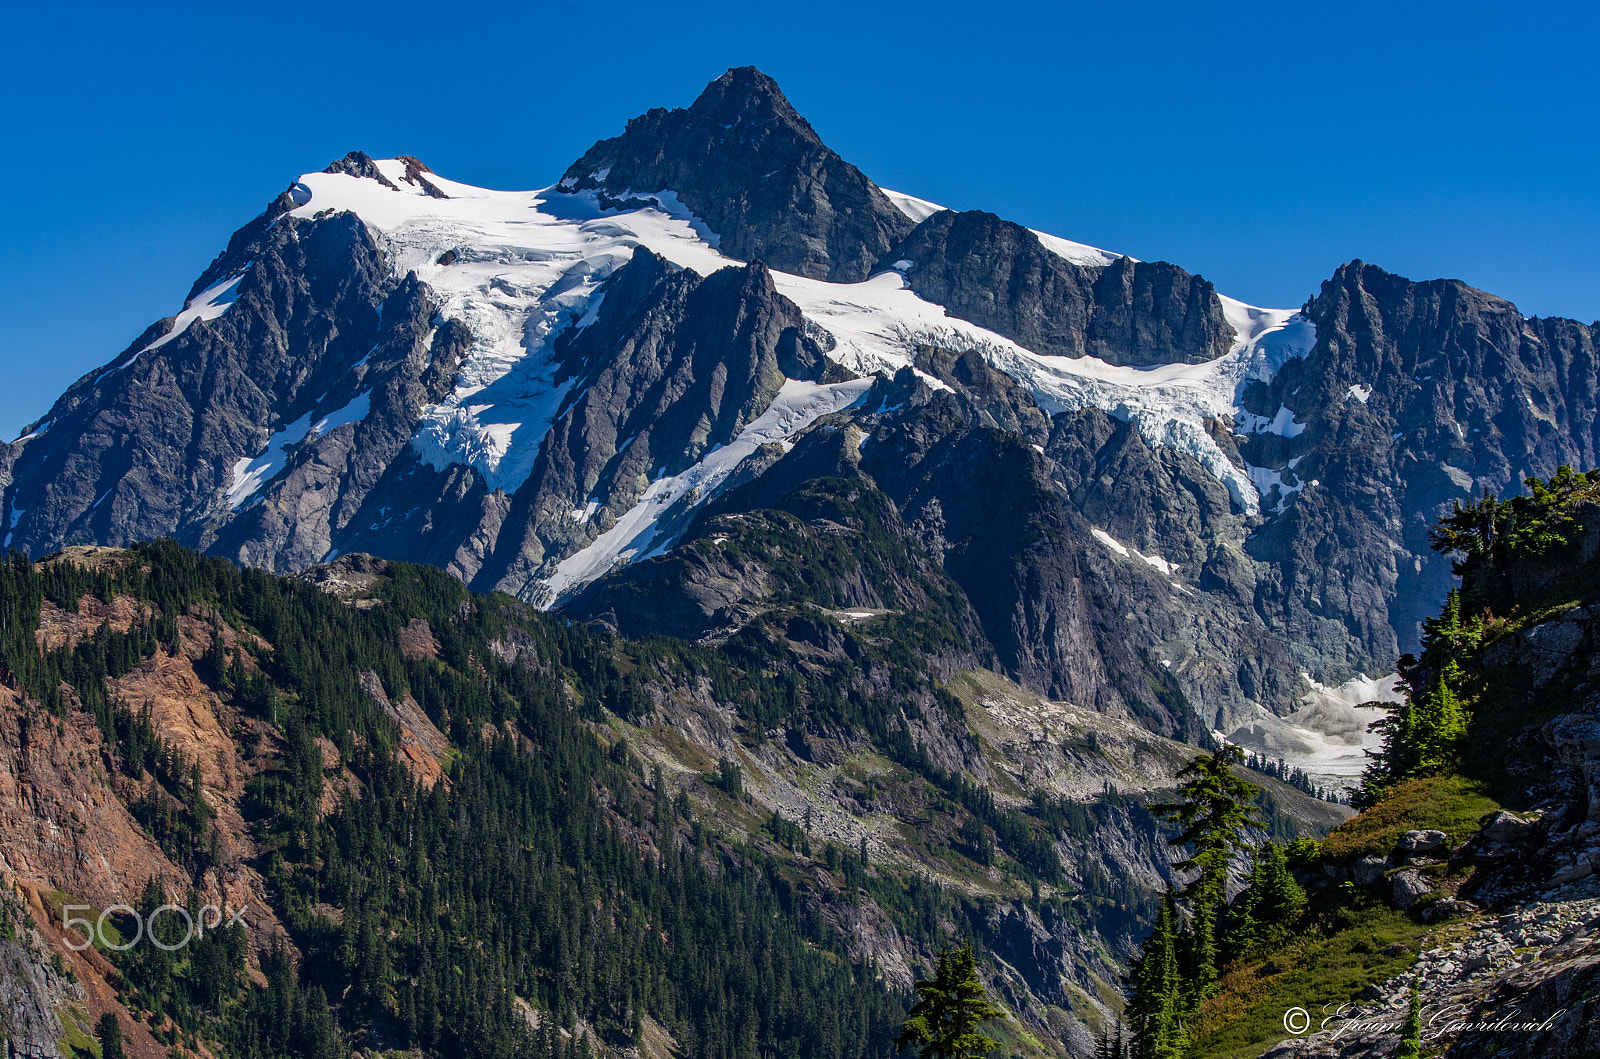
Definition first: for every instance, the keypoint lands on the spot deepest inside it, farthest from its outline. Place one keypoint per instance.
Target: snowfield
(519, 267)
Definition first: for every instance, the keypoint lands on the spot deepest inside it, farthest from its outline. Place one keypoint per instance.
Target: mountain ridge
(421, 440)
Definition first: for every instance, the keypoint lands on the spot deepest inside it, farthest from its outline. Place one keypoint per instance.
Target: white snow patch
(920, 210)
(1281, 424)
(207, 305)
(1133, 553)
(1110, 542)
(1360, 393)
(1077, 253)
(796, 406)
(1160, 564)
(586, 512)
(353, 412)
(11, 528)
(249, 474)
(35, 432)
(917, 209)
(1266, 479)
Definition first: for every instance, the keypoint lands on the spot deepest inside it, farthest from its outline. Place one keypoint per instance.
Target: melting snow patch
(1267, 479)
(1133, 553)
(16, 516)
(1281, 424)
(1110, 542)
(250, 474)
(207, 305)
(1360, 393)
(1160, 564)
(586, 512)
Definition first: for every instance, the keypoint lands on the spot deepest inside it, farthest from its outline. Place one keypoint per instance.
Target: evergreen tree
(109, 1032)
(1214, 809)
(943, 1024)
(1421, 737)
(1271, 899)
(1157, 1006)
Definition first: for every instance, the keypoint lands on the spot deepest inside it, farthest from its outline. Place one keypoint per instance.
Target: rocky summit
(922, 497)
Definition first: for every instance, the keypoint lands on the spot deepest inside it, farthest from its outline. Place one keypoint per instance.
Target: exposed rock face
(753, 170)
(30, 989)
(146, 447)
(1417, 396)
(673, 365)
(970, 516)
(63, 821)
(997, 274)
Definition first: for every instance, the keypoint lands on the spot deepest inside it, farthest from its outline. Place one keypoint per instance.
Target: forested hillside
(463, 826)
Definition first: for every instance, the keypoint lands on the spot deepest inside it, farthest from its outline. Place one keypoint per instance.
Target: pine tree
(950, 1006)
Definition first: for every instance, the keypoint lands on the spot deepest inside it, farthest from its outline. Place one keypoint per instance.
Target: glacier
(520, 267)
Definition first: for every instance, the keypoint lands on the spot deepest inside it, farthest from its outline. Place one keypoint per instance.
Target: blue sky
(1260, 145)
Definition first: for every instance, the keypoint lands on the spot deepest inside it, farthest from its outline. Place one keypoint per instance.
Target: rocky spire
(757, 174)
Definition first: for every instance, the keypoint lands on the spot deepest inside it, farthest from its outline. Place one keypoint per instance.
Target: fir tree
(943, 1024)
(1158, 1002)
(109, 1033)
(1214, 808)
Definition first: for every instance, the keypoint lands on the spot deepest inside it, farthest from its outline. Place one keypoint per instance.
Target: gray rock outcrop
(756, 173)
(999, 275)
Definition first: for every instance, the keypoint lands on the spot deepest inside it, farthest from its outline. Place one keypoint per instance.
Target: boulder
(1369, 869)
(1449, 908)
(1420, 841)
(1406, 886)
(1508, 827)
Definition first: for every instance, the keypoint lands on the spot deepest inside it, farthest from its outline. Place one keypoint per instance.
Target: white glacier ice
(522, 266)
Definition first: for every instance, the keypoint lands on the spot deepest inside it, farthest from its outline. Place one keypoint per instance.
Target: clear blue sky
(1260, 145)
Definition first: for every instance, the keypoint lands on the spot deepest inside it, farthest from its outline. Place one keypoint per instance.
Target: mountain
(937, 538)
(1215, 518)
(459, 826)
(1469, 880)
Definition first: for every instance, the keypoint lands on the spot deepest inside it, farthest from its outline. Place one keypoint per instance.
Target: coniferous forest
(547, 869)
